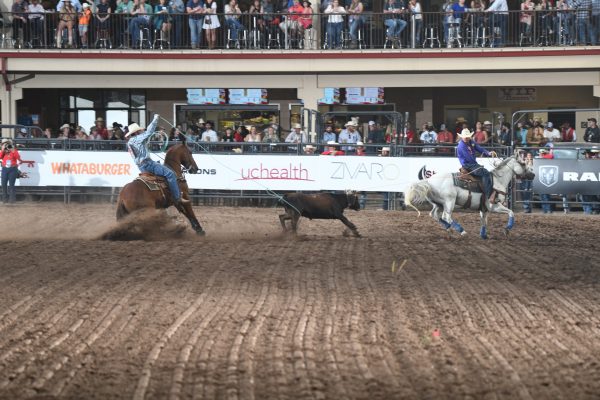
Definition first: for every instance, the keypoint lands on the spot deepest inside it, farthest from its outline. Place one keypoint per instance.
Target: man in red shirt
(332, 150)
(446, 139)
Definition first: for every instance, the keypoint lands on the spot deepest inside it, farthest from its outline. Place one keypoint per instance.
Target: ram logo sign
(548, 175)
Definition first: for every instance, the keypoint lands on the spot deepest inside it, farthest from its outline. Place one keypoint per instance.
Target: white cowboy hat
(99, 119)
(544, 150)
(85, 5)
(487, 123)
(332, 143)
(297, 126)
(65, 126)
(386, 148)
(309, 146)
(465, 133)
(371, 123)
(9, 141)
(360, 144)
(133, 128)
(350, 123)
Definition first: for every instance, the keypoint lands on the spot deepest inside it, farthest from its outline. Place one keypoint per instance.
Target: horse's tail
(417, 194)
(121, 210)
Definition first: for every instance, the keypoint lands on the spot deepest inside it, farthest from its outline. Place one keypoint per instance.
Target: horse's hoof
(484, 237)
(463, 233)
(506, 231)
(201, 233)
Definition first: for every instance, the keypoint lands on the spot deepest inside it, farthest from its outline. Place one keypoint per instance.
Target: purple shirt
(466, 152)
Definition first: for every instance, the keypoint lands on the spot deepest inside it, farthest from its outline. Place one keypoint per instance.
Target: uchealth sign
(241, 172)
(566, 176)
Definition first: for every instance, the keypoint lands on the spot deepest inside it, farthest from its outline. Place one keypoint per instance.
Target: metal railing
(268, 31)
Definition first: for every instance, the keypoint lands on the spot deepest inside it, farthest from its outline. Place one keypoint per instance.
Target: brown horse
(137, 195)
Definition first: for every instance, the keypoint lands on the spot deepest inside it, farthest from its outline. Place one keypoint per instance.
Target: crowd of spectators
(199, 23)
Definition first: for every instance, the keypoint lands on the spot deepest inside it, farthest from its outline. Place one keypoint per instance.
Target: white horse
(440, 191)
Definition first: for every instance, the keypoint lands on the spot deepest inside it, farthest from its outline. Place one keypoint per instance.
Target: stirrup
(183, 201)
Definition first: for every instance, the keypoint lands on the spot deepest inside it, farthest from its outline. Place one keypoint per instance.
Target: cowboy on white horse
(466, 155)
(137, 148)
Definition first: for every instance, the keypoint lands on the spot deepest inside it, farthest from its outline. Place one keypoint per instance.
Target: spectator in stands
(306, 23)
(409, 134)
(228, 135)
(10, 159)
(95, 134)
(176, 10)
(592, 132)
(232, 20)
(290, 24)
(271, 135)
(102, 131)
(240, 133)
(587, 200)
(332, 150)
(296, 135)
(526, 18)
(258, 20)
(123, 11)
(551, 134)
(117, 131)
(535, 136)
(349, 135)
(499, 8)
(355, 21)
(335, 22)
(65, 130)
(393, 21)
(505, 137)
(594, 22)
(446, 139)
(84, 24)
(47, 134)
(309, 150)
(567, 133)
(415, 9)
(19, 16)
(521, 134)
(545, 198)
(209, 135)
(360, 149)
(329, 134)
(211, 23)
(36, 23)
(526, 185)
(67, 17)
(375, 134)
(162, 19)
(584, 29)
(103, 11)
(480, 136)
(428, 136)
(253, 135)
(80, 133)
(140, 19)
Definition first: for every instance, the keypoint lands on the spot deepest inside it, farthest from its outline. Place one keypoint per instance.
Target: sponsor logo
(548, 175)
(343, 170)
(84, 168)
(206, 171)
(424, 173)
(289, 173)
(581, 177)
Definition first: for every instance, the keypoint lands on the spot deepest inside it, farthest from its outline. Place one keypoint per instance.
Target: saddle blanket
(472, 186)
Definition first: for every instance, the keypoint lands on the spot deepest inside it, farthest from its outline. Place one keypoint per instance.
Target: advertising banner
(557, 176)
(239, 171)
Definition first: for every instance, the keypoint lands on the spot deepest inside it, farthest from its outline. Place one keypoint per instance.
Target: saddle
(153, 182)
(463, 179)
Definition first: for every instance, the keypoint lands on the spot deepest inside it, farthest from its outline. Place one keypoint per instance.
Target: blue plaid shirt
(137, 144)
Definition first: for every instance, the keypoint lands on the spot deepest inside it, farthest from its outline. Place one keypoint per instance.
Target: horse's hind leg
(295, 218)
(447, 217)
(350, 225)
(282, 219)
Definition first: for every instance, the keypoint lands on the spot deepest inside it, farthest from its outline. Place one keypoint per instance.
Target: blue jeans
(546, 205)
(582, 30)
(500, 21)
(155, 168)
(418, 28)
(334, 34)
(354, 25)
(395, 27)
(526, 186)
(484, 174)
(196, 31)
(235, 26)
(134, 29)
(593, 29)
(586, 203)
(9, 177)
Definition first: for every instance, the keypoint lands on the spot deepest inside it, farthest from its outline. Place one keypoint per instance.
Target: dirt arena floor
(248, 313)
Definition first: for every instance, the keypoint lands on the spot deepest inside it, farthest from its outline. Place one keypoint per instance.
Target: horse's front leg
(483, 216)
(448, 221)
(189, 214)
(499, 208)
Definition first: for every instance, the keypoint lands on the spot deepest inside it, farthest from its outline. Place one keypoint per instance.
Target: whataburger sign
(240, 172)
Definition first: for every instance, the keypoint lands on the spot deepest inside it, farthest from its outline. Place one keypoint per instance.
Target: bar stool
(144, 39)
(309, 42)
(454, 35)
(273, 38)
(484, 36)
(103, 39)
(431, 36)
(160, 41)
(392, 43)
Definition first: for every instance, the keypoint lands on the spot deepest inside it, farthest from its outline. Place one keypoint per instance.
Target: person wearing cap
(138, 138)
(332, 150)
(10, 159)
(375, 135)
(551, 134)
(592, 133)
(466, 150)
(360, 149)
(85, 16)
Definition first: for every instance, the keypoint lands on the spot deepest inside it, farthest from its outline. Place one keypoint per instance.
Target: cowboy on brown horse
(137, 148)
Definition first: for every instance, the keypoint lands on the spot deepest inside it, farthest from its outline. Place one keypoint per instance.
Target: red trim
(474, 53)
